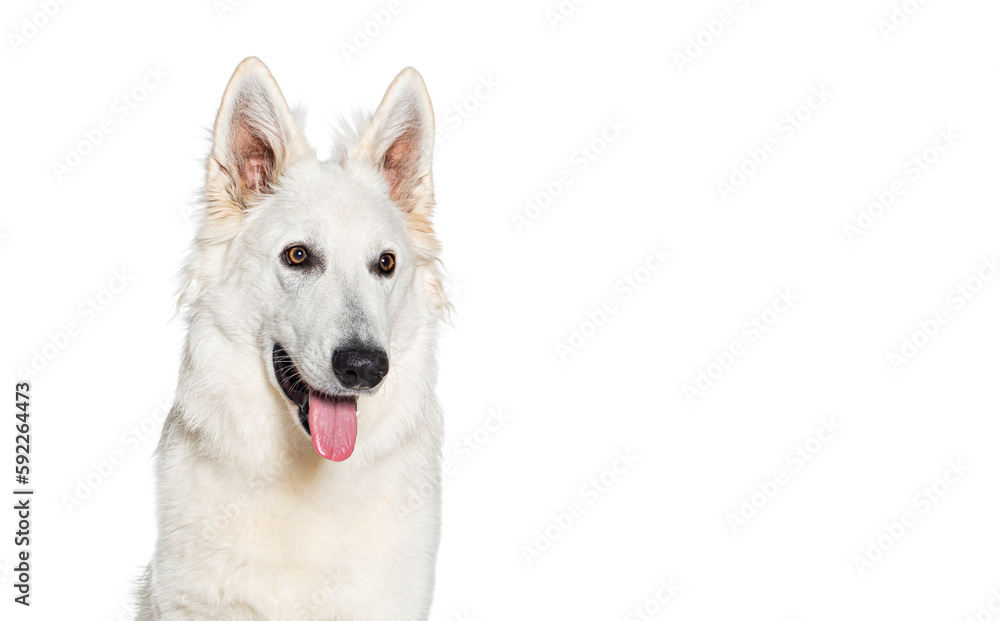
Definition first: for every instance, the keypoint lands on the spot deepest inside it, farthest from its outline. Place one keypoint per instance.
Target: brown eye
(387, 262)
(296, 255)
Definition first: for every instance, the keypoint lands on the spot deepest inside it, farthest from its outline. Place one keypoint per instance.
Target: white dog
(298, 474)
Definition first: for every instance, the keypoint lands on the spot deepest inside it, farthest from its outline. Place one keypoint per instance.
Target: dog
(298, 471)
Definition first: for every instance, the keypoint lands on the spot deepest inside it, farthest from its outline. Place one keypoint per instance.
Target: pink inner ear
(254, 160)
(398, 164)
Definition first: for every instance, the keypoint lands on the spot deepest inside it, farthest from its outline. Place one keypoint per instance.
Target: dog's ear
(399, 142)
(254, 140)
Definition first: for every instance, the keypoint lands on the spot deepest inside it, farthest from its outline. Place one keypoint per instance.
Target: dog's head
(331, 267)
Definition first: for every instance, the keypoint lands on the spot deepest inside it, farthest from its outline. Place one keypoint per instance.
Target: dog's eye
(296, 255)
(387, 262)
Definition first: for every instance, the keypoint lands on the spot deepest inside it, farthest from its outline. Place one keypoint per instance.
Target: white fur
(253, 524)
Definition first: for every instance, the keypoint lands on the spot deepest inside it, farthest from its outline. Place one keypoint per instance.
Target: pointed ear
(399, 142)
(254, 140)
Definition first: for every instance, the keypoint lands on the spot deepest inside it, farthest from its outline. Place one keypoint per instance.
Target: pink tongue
(333, 425)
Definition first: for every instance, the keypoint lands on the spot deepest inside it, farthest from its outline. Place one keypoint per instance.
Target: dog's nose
(360, 368)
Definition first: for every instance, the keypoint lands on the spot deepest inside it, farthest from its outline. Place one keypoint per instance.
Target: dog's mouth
(330, 420)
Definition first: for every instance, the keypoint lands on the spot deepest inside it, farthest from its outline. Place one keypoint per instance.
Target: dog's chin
(329, 419)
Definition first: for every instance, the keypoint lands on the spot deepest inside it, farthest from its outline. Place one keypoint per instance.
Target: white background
(520, 292)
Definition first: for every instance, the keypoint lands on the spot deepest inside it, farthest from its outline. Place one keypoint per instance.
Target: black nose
(360, 368)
